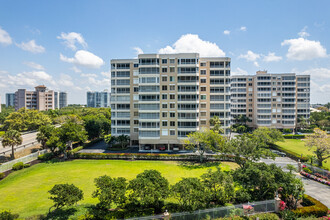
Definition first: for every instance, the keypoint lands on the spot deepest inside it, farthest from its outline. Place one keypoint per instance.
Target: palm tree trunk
(13, 152)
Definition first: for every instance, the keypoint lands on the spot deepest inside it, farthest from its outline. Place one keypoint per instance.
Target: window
(136, 89)
(172, 114)
(164, 123)
(172, 105)
(203, 113)
(172, 69)
(203, 80)
(164, 114)
(164, 105)
(203, 122)
(171, 79)
(136, 65)
(136, 113)
(164, 61)
(172, 123)
(250, 110)
(164, 88)
(203, 64)
(136, 122)
(203, 105)
(203, 72)
(172, 96)
(164, 69)
(250, 84)
(164, 96)
(164, 78)
(203, 89)
(172, 88)
(164, 132)
(172, 60)
(203, 97)
(136, 130)
(136, 105)
(172, 132)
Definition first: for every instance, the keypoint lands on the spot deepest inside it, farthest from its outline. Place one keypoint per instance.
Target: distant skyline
(68, 45)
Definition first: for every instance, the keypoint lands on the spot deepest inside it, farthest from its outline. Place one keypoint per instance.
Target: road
(315, 189)
(27, 139)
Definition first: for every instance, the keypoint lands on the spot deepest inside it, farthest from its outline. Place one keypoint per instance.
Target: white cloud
(31, 46)
(138, 50)
(256, 64)
(191, 43)
(88, 75)
(106, 74)
(34, 65)
(303, 33)
(66, 80)
(3, 72)
(271, 57)
(5, 38)
(27, 79)
(249, 56)
(70, 40)
(303, 49)
(84, 58)
(76, 69)
(226, 32)
(318, 74)
(239, 71)
(243, 28)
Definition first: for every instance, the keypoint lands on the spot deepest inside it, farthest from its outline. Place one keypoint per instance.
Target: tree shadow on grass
(61, 214)
(195, 165)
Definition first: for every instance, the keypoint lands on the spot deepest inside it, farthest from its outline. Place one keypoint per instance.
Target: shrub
(307, 170)
(27, 165)
(18, 166)
(7, 215)
(2, 175)
(318, 209)
(46, 156)
(264, 216)
(294, 136)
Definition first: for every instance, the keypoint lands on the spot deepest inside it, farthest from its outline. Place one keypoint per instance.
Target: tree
(190, 193)
(219, 186)
(70, 132)
(65, 195)
(110, 191)
(123, 140)
(321, 142)
(247, 148)
(205, 140)
(266, 136)
(7, 215)
(291, 168)
(149, 189)
(302, 123)
(109, 139)
(97, 125)
(45, 132)
(216, 123)
(54, 142)
(11, 139)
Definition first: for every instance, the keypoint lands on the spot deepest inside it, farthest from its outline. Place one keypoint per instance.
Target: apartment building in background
(158, 99)
(270, 100)
(98, 99)
(10, 99)
(61, 99)
(41, 99)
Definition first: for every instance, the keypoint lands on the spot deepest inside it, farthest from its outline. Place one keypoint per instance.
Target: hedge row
(289, 153)
(294, 136)
(148, 156)
(318, 209)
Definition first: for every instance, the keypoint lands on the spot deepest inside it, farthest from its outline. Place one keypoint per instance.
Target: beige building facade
(158, 99)
(41, 99)
(270, 100)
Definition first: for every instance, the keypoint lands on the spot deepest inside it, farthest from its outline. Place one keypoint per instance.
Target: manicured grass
(298, 146)
(26, 191)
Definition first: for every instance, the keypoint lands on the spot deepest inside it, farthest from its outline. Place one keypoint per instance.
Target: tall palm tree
(12, 138)
(216, 123)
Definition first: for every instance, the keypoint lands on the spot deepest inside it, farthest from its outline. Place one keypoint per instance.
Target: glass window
(172, 132)
(172, 60)
(171, 79)
(172, 87)
(172, 114)
(164, 96)
(164, 78)
(164, 88)
(172, 69)
(164, 105)
(164, 69)
(164, 123)
(164, 114)
(164, 61)
(172, 123)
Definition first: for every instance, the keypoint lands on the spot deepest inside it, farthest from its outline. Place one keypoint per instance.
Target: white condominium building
(158, 99)
(270, 100)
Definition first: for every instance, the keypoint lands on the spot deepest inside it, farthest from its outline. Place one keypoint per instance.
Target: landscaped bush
(46, 156)
(2, 175)
(18, 166)
(27, 165)
(318, 209)
(307, 170)
(264, 216)
(294, 136)
(7, 215)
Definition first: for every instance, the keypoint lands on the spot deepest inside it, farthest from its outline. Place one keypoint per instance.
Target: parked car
(162, 148)
(279, 153)
(176, 149)
(147, 147)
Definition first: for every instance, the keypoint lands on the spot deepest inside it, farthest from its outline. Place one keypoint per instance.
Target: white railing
(31, 157)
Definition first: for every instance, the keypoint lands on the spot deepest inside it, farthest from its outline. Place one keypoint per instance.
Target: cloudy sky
(68, 45)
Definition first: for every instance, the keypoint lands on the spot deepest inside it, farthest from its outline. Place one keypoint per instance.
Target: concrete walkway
(315, 189)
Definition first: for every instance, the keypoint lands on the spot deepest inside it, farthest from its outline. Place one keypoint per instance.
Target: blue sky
(68, 45)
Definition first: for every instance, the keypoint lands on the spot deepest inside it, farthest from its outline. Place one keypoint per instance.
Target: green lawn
(298, 146)
(26, 191)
